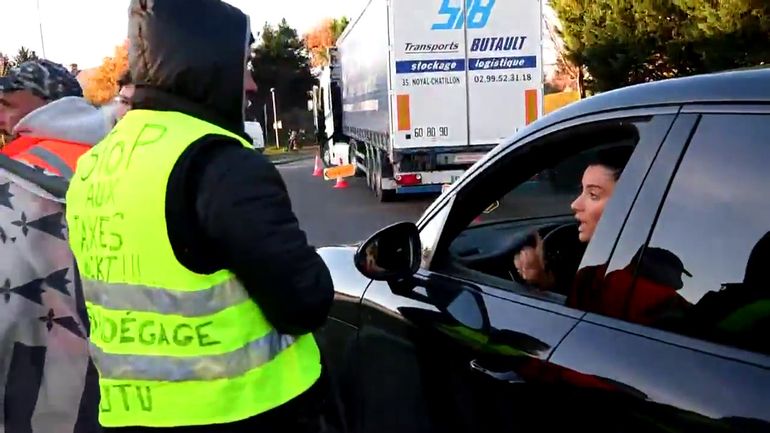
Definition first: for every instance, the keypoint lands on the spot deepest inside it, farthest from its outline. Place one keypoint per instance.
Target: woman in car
(658, 273)
(599, 180)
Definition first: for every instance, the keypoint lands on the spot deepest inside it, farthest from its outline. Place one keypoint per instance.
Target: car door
(691, 347)
(337, 337)
(450, 352)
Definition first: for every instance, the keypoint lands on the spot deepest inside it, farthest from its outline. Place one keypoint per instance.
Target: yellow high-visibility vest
(172, 347)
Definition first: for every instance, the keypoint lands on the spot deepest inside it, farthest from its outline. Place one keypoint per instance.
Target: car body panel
(349, 284)
(444, 353)
(690, 386)
(422, 356)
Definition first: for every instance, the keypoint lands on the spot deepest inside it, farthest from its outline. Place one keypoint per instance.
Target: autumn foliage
(102, 85)
(322, 37)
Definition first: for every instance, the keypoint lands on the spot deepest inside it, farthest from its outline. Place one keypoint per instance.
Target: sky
(85, 31)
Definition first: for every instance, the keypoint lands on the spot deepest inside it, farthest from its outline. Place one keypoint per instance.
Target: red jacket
(619, 295)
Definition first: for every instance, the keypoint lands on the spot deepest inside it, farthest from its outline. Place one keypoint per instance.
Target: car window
(548, 193)
(531, 193)
(706, 270)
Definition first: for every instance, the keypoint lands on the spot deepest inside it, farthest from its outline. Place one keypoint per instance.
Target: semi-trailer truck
(418, 90)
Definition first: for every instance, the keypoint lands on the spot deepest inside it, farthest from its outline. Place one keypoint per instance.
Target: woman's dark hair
(613, 159)
(125, 79)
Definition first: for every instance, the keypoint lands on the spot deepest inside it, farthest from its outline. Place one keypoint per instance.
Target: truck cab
(254, 130)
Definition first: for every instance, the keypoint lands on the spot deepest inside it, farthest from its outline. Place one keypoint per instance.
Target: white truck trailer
(427, 87)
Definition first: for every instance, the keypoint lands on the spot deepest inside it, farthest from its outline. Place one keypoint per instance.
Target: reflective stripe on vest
(55, 156)
(173, 347)
(141, 298)
(209, 367)
(53, 160)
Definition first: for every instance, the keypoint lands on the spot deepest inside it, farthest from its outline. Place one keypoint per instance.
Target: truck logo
(477, 14)
(509, 43)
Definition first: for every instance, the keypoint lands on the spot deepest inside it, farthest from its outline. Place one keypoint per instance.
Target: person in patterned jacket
(47, 380)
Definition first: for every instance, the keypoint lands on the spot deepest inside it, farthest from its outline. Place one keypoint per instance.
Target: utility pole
(40, 24)
(275, 118)
(264, 129)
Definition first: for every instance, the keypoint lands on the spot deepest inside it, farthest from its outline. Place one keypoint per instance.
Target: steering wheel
(558, 245)
(559, 242)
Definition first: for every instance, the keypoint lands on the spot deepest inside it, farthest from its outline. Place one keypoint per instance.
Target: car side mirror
(393, 253)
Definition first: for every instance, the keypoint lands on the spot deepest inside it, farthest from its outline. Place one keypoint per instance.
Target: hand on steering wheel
(530, 264)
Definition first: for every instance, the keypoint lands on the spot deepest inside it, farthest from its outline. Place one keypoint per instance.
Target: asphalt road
(337, 216)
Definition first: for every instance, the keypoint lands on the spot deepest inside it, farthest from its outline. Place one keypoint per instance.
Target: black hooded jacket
(227, 206)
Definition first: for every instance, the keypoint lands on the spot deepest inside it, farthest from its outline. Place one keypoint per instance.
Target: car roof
(743, 86)
(739, 86)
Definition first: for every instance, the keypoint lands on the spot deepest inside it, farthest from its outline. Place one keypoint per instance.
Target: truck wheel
(353, 159)
(326, 158)
(369, 167)
(384, 195)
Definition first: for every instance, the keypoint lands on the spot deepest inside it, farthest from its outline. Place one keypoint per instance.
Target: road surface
(337, 216)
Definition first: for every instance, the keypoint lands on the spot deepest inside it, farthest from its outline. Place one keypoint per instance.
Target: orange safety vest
(56, 156)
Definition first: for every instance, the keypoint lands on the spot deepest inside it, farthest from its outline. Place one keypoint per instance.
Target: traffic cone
(341, 182)
(318, 170)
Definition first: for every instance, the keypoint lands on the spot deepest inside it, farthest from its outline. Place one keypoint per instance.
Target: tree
(728, 34)
(280, 61)
(102, 85)
(623, 42)
(323, 37)
(24, 55)
(5, 64)
(567, 74)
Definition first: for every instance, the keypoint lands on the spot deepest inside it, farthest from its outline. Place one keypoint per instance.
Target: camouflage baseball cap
(45, 79)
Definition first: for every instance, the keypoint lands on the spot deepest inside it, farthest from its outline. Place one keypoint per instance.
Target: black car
(665, 326)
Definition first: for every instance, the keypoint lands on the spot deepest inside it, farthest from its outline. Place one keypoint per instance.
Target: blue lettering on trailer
(426, 66)
(497, 63)
(477, 11)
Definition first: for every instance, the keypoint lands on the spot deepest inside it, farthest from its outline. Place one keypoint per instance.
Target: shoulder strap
(52, 159)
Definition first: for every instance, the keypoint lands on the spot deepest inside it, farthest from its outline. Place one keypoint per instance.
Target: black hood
(189, 56)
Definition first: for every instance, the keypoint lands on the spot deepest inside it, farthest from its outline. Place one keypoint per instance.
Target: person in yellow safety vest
(201, 289)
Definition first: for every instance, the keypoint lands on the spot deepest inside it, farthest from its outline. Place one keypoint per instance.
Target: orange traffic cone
(318, 170)
(341, 183)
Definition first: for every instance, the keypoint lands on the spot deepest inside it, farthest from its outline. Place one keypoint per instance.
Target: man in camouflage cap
(39, 100)
(44, 78)
(30, 86)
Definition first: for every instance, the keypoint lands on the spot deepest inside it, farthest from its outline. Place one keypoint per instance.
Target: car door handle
(508, 376)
